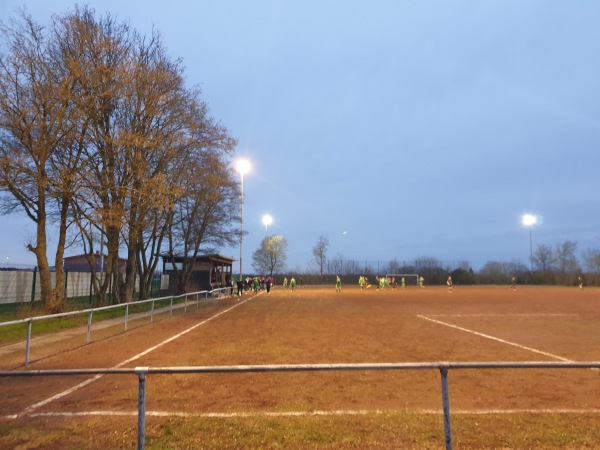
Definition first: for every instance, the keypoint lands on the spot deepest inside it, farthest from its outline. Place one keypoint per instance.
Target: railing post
(446, 407)
(126, 315)
(171, 309)
(141, 371)
(33, 284)
(185, 308)
(89, 326)
(152, 313)
(28, 344)
(197, 299)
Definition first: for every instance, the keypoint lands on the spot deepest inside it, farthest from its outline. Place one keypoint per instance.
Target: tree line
(101, 139)
(549, 265)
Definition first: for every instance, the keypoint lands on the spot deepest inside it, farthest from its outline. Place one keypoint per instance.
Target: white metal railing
(443, 367)
(90, 312)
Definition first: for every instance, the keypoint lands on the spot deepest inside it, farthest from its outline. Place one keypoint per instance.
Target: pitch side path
(318, 325)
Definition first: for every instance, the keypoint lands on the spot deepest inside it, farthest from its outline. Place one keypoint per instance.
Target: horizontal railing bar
(311, 368)
(104, 308)
(33, 373)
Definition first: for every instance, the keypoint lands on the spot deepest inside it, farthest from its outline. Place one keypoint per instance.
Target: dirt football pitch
(360, 409)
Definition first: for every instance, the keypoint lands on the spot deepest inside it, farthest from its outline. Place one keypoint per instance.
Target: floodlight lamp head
(529, 220)
(267, 220)
(242, 166)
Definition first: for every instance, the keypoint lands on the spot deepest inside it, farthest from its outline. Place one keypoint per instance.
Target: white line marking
(504, 315)
(503, 341)
(350, 412)
(29, 409)
(62, 394)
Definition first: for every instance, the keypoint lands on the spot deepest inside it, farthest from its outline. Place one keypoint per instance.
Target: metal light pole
(530, 220)
(243, 167)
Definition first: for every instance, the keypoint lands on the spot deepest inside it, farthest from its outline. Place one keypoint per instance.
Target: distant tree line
(101, 140)
(556, 265)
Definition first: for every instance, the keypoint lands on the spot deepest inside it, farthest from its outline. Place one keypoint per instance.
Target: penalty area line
(504, 315)
(493, 338)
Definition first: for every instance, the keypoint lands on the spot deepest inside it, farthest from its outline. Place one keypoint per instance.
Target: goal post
(411, 279)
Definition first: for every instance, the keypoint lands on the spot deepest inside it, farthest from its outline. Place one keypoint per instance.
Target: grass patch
(328, 432)
(391, 430)
(18, 332)
(28, 437)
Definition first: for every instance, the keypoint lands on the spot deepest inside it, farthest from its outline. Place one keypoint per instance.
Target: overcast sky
(400, 129)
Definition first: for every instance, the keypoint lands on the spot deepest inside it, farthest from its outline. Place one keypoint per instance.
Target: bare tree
(591, 257)
(495, 272)
(143, 124)
(427, 263)
(335, 265)
(393, 266)
(204, 213)
(40, 147)
(101, 52)
(95, 128)
(352, 267)
(320, 252)
(543, 258)
(271, 256)
(566, 261)
(431, 268)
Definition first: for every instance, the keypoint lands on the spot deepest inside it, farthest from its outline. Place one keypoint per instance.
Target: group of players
(256, 284)
(260, 283)
(383, 282)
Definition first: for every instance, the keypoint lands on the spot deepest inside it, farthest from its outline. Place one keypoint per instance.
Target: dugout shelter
(209, 271)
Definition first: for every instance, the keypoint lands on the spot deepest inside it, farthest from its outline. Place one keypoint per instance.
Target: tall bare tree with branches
(97, 129)
(41, 141)
(320, 252)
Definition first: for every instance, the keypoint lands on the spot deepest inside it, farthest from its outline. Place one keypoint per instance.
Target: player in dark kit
(268, 283)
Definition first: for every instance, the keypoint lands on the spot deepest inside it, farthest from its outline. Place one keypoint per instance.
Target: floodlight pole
(241, 221)
(530, 249)
(529, 221)
(242, 167)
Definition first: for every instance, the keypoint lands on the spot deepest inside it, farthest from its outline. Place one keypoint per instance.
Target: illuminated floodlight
(529, 220)
(242, 166)
(267, 220)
